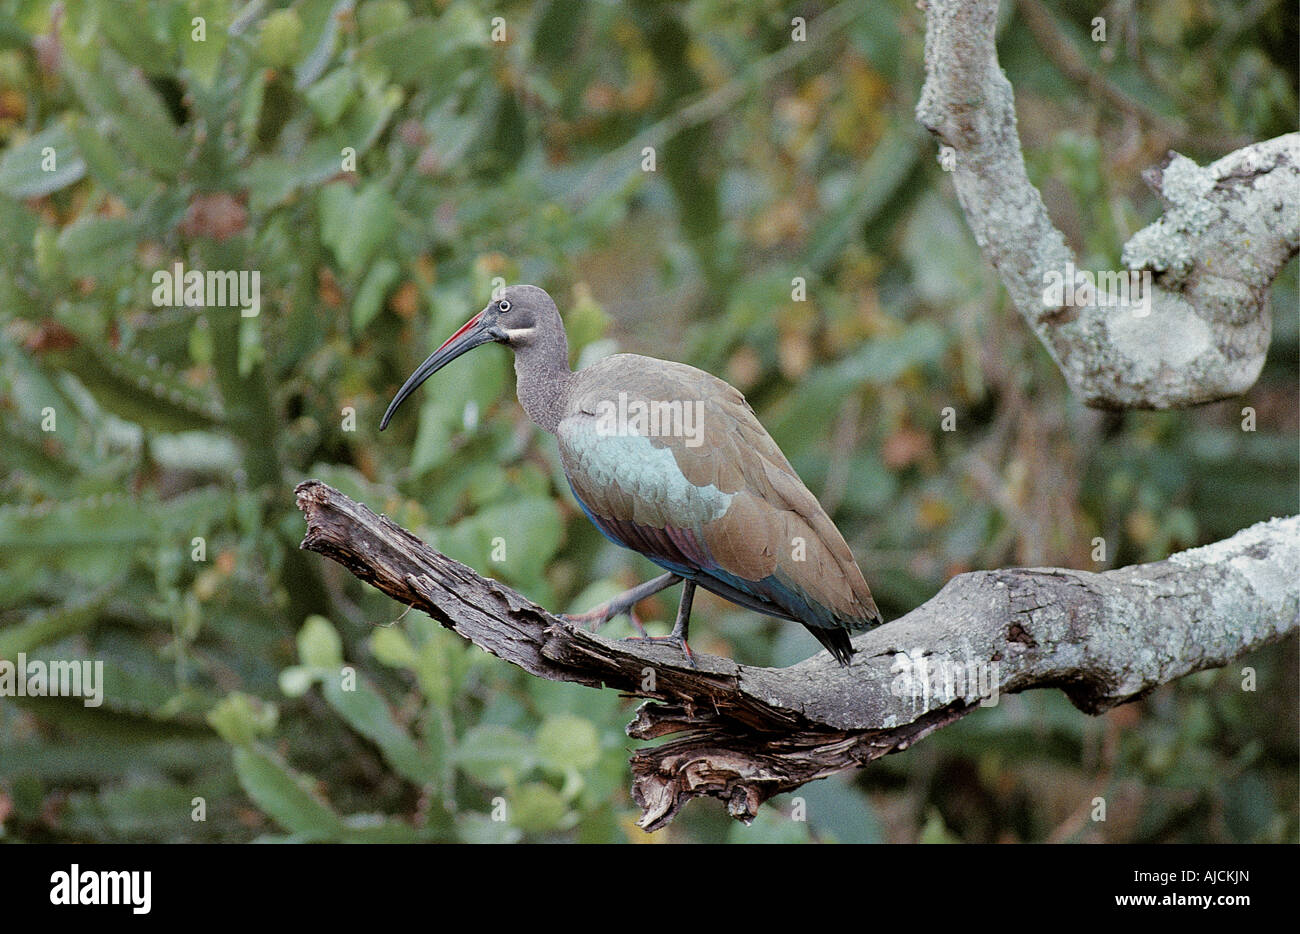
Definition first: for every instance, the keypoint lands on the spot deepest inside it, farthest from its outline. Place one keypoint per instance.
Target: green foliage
(380, 164)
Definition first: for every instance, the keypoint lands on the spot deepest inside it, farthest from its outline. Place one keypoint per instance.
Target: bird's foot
(592, 619)
(637, 625)
(624, 603)
(672, 639)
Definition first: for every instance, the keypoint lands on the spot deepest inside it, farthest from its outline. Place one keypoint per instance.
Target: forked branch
(745, 734)
(1201, 329)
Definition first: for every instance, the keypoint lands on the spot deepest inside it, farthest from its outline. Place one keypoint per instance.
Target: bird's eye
(503, 306)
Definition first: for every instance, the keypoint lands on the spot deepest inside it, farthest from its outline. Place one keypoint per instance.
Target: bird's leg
(678, 636)
(624, 603)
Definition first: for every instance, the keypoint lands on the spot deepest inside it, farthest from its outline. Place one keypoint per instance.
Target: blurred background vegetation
(522, 160)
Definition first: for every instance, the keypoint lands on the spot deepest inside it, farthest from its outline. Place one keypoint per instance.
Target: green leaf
(383, 274)
(425, 50)
(97, 246)
(297, 680)
(537, 808)
(355, 223)
(405, 53)
(368, 713)
(330, 96)
(136, 36)
(436, 670)
(241, 718)
(319, 645)
(808, 411)
(391, 647)
(12, 34)
(366, 119)
(320, 30)
(50, 461)
(104, 162)
(197, 452)
(882, 361)
(870, 189)
(50, 625)
(23, 171)
(585, 323)
(279, 38)
(152, 809)
(109, 522)
(838, 811)
(123, 99)
(493, 755)
(284, 795)
(376, 17)
(513, 539)
(102, 762)
(567, 742)
(140, 389)
(203, 59)
(1250, 807)
(272, 180)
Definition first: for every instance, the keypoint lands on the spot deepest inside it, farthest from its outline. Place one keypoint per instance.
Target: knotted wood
(744, 734)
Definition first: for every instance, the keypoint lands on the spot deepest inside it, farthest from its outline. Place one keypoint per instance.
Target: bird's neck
(542, 380)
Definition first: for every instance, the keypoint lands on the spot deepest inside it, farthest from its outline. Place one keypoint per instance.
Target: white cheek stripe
(518, 332)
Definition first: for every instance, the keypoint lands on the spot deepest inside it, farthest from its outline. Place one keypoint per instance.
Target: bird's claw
(676, 640)
(598, 617)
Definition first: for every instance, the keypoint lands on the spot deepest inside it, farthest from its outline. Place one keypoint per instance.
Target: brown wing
(772, 526)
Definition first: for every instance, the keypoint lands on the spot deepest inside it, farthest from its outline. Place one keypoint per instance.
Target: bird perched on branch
(671, 462)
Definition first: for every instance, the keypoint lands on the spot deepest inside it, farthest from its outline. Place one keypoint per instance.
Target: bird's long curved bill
(470, 335)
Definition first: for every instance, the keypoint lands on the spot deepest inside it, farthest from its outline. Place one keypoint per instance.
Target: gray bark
(748, 733)
(1228, 230)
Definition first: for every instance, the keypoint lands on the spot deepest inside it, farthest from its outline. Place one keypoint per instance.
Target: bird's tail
(836, 639)
(836, 642)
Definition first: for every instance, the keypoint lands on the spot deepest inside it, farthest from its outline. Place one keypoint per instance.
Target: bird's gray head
(523, 317)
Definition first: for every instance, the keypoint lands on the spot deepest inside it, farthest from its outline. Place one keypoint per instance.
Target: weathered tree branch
(746, 734)
(1228, 229)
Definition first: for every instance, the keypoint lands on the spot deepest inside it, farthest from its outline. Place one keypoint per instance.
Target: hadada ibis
(672, 463)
